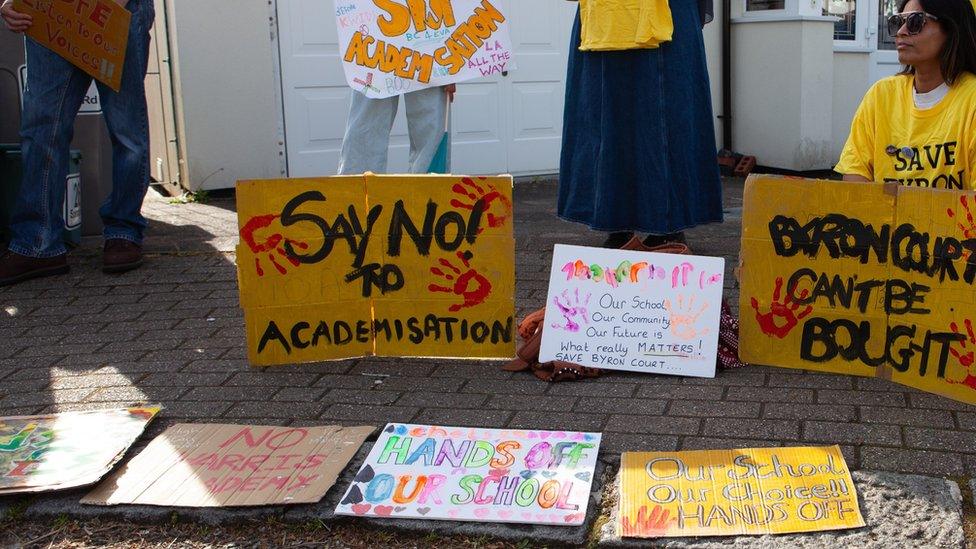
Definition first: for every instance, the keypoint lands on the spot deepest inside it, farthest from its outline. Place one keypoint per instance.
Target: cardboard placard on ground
(636, 311)
(389, 265)
(57, 451)
(471, 474)
(215, 465)
(90, 34)
(750, 491)
(863, 279)
(390, 48)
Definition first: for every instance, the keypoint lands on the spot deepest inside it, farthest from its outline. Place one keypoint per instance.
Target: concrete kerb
(899, 511)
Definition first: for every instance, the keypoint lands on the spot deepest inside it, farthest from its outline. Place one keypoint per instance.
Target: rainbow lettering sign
(635, 311)
(479, 475)
(392, 47)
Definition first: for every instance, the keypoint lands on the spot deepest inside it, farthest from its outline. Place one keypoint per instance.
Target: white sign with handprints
(635, 311)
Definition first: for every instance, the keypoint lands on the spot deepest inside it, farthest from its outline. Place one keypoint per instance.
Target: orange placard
(91, 34)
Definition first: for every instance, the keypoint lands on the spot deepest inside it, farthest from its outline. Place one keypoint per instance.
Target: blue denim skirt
(638, 151)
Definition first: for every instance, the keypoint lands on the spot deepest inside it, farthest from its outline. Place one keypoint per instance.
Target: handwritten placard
(212, 465)
(90, 34)
(387, 265)
(57, 451)
(480, 475)
(636, 311)
(749, 491)
(861, 278)
(392, 47)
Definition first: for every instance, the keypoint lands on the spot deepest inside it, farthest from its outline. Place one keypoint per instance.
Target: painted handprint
(684, 317)
(498, 208)
(967, 354)
(787, 311)
(648, 524)
(470, 285)
(268, 242)
(573, 308)
(968, 227)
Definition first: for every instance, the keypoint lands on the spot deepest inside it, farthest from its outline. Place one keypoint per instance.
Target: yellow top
(624, 24)
(893, 141)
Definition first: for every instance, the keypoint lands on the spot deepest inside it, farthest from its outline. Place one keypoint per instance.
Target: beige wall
(226, 93)
(851, 80)
(782, 92)
(713, 54)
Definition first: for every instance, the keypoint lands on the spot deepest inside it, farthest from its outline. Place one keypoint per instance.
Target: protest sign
(90, 34)
(861, 278)
(390, 265)
(751, 491)
(635, 311)
(392, 47)
(480, 475)
(58, 451)
(233, 465)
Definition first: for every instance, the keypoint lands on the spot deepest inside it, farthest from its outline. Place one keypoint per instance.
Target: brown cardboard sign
(67, 450)
(214, 465)
(90, 34)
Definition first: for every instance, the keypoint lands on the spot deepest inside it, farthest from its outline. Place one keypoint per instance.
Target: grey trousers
(367, 137)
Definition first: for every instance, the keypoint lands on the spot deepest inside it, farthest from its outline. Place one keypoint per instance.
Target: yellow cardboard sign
(862, 279)
(391, 265)
(90, 34)
(751, 491)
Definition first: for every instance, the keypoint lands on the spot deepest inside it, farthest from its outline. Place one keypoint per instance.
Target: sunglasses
(913, 22)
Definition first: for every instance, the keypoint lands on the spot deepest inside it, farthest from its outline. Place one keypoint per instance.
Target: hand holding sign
(15, 21)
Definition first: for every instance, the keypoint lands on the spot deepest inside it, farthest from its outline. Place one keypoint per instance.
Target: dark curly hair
(958, 20)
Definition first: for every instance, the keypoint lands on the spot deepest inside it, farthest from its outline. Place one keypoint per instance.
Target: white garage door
(505, 124)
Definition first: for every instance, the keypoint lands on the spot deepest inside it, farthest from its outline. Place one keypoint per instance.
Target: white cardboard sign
(634, 311)
(472, 474)
(392, 47)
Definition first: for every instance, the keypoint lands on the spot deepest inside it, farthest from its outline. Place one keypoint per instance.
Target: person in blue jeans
(54, 92)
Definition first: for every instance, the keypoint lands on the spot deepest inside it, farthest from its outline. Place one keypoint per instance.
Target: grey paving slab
(899, 511)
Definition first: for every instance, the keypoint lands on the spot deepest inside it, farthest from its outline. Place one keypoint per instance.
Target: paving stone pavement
(172, 333)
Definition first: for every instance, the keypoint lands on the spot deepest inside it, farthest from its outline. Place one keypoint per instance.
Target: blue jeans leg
(128, 124)
(55, 90)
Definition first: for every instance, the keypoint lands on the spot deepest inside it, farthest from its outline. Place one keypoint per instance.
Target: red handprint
(787, 310)
(966, 356)
(647, 524)
(497, 206)
(461, 282)
(269, 244)
(968, 231)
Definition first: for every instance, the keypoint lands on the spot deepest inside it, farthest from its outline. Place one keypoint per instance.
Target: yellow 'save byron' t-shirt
(608, 25)
(893, 141)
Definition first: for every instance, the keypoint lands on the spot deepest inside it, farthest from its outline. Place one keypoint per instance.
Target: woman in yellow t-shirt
(918, 127)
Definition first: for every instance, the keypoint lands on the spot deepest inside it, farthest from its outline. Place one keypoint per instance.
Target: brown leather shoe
(121, 255)
(16, 268)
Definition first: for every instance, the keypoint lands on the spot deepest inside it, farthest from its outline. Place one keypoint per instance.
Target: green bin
(11, 173)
